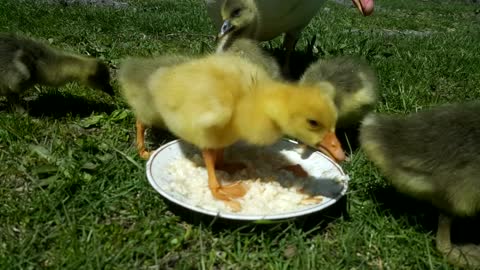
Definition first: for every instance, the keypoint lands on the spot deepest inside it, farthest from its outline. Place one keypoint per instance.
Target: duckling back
(250, 50)
(351, 82)
(431, 155)
(197, 99)
(134, 75)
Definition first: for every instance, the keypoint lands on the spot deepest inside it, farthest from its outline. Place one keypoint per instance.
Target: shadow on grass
(424, 216)
(414, 212)
(317, 221)
(466, 230)
(57, 105)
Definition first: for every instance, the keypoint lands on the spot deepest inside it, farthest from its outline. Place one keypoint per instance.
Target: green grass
(73, 192)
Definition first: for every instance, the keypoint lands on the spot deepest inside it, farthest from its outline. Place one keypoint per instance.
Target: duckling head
(309, 116)
(100, 78)
(239, 16)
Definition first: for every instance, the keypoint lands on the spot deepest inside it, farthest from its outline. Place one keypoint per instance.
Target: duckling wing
(201, 105)
(197, 101)
(202, 119)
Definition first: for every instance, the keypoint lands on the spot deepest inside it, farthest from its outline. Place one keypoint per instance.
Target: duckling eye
(313, 123)
(236, 13)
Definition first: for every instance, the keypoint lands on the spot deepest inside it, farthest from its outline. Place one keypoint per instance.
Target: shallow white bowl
(315, 163)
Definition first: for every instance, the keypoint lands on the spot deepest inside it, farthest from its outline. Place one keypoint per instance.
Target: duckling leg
(15, 103)
(289, 43)
(224, 193)
(142, 152)
(311, 45)
(465, 255)
(230, 167)
(236, 189)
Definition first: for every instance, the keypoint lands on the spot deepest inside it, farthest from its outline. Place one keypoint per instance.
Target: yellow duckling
(218, 100)
(25, 63)
(133, 76)
(350, 82)
(433, 155)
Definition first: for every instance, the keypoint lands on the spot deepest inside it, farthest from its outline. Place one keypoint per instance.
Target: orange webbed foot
(225, 193)
(228, 192)
(235, 190)
(144, 154)
(234, 205)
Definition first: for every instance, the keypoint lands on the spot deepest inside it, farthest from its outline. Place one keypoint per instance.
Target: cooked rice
(269, 190)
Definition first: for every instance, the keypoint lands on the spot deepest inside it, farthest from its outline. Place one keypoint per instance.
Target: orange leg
(230, 167)
(141, 140)
(224, 193)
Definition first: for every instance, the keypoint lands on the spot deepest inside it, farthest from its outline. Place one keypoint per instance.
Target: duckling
(133, 76)
(251, 50)
(432, 155)
(25, 62)
(264, 20)
(352, 84)
(220, 99)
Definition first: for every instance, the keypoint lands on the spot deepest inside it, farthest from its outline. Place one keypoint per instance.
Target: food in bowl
(270, 189)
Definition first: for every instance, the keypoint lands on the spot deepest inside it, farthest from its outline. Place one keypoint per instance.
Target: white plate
(315, 163)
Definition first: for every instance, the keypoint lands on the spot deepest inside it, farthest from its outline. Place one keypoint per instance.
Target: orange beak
(364, 6)
(331, 146)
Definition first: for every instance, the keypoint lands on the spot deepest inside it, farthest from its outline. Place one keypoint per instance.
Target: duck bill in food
(364, 6)
(331, 147)
(226, 28)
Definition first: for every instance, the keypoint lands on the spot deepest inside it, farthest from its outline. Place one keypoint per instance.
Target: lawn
(73, 192)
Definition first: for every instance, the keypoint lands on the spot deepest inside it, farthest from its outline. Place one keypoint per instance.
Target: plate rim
(232, 216)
